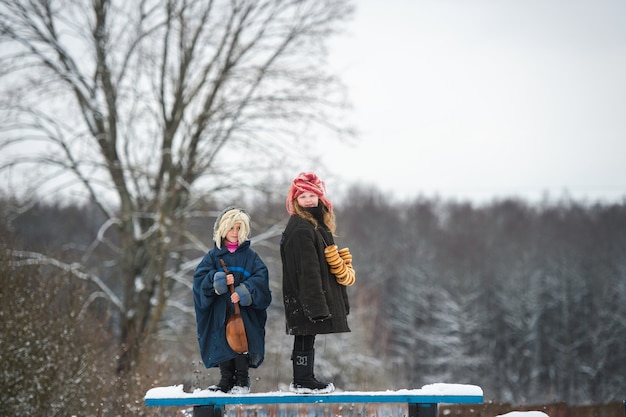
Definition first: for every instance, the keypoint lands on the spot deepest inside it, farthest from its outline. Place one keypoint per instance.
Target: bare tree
(139, 105)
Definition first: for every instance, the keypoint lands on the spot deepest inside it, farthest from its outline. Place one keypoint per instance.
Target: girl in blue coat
(214, 304)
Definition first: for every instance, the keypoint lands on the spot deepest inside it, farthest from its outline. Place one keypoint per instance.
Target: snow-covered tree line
(523, 300)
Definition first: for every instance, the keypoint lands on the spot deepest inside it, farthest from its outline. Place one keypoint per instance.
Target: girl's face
(233, 234)
(308, 199)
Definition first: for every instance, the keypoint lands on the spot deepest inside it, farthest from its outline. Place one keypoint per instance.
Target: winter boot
(227, 380)
(242, 380)
(304, 381)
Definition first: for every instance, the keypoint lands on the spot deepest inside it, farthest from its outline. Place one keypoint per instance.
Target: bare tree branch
(25, 258)
(142, 104)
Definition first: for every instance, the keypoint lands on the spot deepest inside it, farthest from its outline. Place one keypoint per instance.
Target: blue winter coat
(213, 310)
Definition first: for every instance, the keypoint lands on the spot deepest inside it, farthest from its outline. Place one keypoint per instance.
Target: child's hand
(230, 279)
(234, 297)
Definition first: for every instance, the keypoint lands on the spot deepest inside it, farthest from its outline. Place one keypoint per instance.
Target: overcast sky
(483, 99)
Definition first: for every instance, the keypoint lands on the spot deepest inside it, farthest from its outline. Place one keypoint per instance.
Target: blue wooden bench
(421, 402)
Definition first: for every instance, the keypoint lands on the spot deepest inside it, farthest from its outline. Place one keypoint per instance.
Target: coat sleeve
(346, 301)
(258, 284)
(309, 275)
(203, 290)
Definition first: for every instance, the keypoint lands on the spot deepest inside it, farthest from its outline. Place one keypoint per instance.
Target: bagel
(343, 275)
(335, 263)
(348, 279)
(334, 260)
(351, 277)
(345, 255)
(338, 270)
(330, 248)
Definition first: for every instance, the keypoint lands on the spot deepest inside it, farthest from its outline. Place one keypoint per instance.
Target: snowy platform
(427, 397)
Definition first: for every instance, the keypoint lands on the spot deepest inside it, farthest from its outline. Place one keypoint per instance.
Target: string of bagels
(340, 262)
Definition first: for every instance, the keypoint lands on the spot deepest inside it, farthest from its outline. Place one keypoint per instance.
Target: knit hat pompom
(307, 182)
(226, 220)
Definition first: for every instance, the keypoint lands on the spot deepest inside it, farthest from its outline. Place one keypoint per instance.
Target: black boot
(304, 381)
(242, 380)
(227, 380)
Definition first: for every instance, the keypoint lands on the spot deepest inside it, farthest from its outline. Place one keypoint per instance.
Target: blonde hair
(227, 220)
(329, 216)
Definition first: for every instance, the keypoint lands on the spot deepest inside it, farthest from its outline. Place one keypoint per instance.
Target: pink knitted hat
(307, 182)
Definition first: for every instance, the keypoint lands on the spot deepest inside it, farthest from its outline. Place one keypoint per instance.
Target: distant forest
(525, 300)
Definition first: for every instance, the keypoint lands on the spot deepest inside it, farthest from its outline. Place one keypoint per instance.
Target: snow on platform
(428, 394)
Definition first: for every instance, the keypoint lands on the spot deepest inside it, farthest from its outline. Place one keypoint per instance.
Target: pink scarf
(232, 246)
